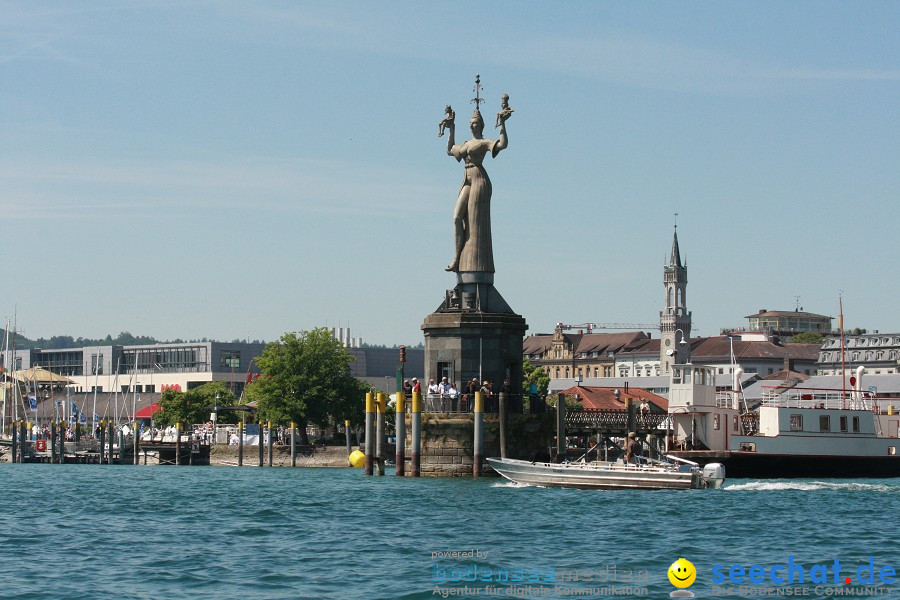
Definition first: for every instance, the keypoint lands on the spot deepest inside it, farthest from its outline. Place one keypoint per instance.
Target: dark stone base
(467, 344)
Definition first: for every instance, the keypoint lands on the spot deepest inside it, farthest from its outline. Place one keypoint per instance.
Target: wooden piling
(121, 447)
(271, 442)
(112, 437)
(135, 443)
(262, 445)
(370, 431)
(102, 443)
(177, 443)
(52, 442)
(400, 424)
(62, 442)
(293, 444)
(241, 444)
(415, 447)
(347, 435)
(380, 407)
(15, 441)
(501, 401)
(24, 430)
(478, 446)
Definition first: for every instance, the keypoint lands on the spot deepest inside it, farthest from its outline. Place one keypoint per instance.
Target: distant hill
(67, 341)
(123, 339)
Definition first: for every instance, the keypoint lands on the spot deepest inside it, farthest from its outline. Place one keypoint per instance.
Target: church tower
(675, 319)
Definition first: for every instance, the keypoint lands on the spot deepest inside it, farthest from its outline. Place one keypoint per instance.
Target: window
(843, 422)
(824, 423)
(445, 369)
(855, 424)
(721, 371)
(231, 360)
(716, 423)
(734, 423)
(150, 389)
(796, 422)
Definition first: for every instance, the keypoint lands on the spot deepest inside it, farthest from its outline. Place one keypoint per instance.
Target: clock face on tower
(668, 342)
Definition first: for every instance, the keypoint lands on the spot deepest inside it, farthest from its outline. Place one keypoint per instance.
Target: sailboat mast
(134, 390)
(16, 381)
(843, 369)
(96, 383)
(6, 389)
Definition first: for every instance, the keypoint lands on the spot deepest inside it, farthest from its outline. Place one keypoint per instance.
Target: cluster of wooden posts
(55, 452)
(110, 453)
(271, 441)
(376, 406)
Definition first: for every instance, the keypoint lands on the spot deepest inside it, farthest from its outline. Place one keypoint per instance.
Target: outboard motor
(713, 475)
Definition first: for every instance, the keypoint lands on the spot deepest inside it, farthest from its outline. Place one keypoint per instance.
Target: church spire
(675, 260)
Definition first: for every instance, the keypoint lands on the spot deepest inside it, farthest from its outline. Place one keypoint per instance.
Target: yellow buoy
(358, 459)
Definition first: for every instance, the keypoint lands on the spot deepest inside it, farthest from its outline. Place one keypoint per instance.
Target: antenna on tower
(796, 303)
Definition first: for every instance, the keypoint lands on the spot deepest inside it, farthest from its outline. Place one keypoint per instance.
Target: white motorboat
(649, 475)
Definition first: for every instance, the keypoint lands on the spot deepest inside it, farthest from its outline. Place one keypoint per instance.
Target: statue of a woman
(472, 215)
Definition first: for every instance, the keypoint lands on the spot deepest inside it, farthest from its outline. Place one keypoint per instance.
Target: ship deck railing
(824, 398)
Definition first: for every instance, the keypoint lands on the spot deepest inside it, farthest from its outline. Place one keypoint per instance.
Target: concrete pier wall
(448, 441)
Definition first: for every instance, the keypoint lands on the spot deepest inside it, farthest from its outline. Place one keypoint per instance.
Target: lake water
(89, 531)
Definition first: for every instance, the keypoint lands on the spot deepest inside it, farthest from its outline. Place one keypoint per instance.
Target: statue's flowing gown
(477, 253)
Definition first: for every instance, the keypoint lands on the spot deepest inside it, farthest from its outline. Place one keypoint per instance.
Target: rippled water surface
(88, 531)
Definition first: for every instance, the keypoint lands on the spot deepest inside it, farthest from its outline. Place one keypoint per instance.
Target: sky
(235, 170)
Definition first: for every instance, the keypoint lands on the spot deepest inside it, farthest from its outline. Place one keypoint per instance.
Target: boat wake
(810, 486)
(509, 484)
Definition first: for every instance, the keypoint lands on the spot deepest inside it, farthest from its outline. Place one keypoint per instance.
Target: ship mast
(843, 370)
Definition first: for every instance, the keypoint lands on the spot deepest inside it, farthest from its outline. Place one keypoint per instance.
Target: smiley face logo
(682, 573)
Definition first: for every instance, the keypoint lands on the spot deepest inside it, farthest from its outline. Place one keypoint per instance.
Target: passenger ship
(795, 432)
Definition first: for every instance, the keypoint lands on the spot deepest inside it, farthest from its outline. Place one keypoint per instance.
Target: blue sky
(242, 169)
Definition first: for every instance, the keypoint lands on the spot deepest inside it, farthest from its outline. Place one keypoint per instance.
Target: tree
(534, 374)
(195, 406)
(306, 379)
(808, 337)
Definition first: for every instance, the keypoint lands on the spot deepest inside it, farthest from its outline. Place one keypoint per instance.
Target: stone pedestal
(474, 334)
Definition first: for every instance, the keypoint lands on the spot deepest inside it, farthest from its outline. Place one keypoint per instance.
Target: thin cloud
(66, 190)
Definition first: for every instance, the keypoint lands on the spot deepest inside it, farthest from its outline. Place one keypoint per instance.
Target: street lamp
(683, 342)
(215, 419)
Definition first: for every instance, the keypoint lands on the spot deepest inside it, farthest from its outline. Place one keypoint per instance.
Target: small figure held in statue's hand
(449, 116)
(505, 111)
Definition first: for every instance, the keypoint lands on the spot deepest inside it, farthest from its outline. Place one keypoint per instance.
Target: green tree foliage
(808, 337)
(306, 380)
(195, 406)
(534, 374)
